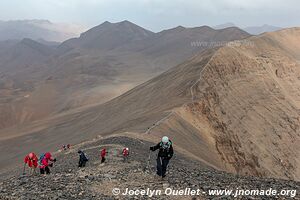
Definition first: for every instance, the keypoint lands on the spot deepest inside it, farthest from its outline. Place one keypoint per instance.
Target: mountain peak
(174, 30)
(125, 22)
(107, 35)
(34, 45)
(27, 40)
(225, 25)
(111, 24)
(29, 43)
(256, 30)
(205, 27)
(179, 28)
(106, 23)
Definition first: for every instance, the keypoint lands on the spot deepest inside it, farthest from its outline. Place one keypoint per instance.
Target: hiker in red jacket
(32, 161)
(125, 153)
(46, 161)
(103, 154)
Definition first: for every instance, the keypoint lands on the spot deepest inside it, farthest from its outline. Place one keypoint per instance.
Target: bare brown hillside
(249, 98)
(235, 107)
(39, 81)
(246, 107)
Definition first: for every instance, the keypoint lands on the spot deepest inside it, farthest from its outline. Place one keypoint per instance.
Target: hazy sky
(156, 14)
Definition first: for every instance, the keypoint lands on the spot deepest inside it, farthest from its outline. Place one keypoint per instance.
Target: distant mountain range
(226, 25)
(101, 64)
(38, 29)
(256, 30)
(233, 106)
(50, 33)
(253, 30)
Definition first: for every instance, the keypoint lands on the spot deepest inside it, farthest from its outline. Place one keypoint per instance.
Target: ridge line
(192, 94)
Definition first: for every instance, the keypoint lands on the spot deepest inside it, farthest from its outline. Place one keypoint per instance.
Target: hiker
(125, 153)
(32, 161)
(82, 159)
(46, 161)
(64, 147)
(68, 146)
(164, 155)
(102, 155)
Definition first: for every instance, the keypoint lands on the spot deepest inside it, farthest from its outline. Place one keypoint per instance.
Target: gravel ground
(97, 181)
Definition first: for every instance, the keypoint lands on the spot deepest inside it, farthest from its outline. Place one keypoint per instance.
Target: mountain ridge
(114, 34)
(79, 76)
(210, 116)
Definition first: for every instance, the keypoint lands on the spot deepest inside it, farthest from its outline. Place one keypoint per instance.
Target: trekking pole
(149, 158)
(24, 169)
(34, 171)
(161, 167)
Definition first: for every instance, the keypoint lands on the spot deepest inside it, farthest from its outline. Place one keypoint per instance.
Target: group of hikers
(83, 158)
(66, 147)
(46, 160)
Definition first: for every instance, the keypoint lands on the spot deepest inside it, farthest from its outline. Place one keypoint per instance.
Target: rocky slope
(236, 108)
(248, 99)
(97, 181)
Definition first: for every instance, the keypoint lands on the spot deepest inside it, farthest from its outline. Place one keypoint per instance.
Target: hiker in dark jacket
(82, 159)
(164, 155)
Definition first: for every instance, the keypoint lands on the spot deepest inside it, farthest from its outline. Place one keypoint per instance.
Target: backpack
(85, 157)
(41, 158)
(165, 146)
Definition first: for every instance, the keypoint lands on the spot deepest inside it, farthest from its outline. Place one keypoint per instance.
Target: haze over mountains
(234, 107)
(256, 30)
(253, 30)
(38, 81)
(38, 29)
(51, 34)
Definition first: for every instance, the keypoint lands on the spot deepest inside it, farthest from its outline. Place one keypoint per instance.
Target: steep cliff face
(245, 107)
